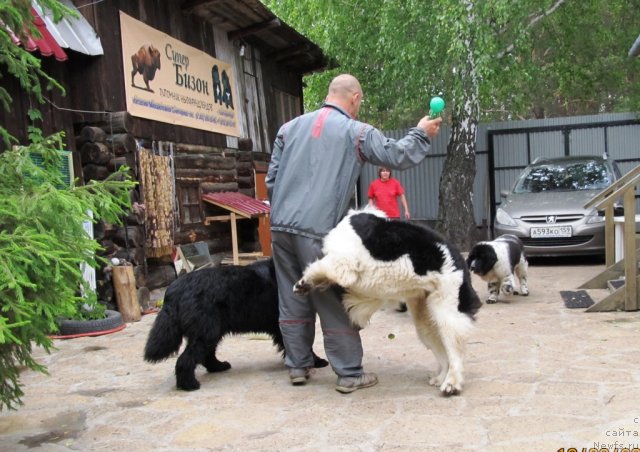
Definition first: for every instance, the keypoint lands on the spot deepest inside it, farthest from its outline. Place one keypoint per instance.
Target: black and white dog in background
(497, 262)
(376, 260)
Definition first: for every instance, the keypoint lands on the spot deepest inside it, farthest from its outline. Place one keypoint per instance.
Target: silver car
(545, 207)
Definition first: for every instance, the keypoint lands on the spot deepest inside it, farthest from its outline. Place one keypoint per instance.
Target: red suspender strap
(359, 153)
(319, 124)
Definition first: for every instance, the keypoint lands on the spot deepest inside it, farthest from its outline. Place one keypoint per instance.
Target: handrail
(605, 193)
(613, 197)
(624, 188)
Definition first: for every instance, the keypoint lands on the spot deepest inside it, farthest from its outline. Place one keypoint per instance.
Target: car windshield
(564, 176)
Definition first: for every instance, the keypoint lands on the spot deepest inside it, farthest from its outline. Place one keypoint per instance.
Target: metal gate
(504, 149)
(511, 149)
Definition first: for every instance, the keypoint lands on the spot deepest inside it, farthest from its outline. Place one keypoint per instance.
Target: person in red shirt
(384, 193)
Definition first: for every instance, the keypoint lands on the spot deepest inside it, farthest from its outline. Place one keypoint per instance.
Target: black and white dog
(208, 304)
(377, 260)
(496, 262)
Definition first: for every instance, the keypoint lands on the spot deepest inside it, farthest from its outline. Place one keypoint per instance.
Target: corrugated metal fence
(503, 149)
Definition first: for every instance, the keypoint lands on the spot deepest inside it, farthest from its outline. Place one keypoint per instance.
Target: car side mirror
(504, 193)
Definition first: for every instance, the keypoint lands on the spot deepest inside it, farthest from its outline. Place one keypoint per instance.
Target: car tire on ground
(113, 319)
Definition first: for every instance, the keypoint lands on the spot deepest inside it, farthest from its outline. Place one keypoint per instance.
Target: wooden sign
(169, 81)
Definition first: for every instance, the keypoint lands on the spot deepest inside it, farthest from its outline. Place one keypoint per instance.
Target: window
(563, 176)
(189, 203)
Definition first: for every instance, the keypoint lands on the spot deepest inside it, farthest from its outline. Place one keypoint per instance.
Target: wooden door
(264, 226)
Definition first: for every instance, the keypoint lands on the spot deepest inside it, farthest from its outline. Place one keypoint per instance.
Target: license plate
(550, 231)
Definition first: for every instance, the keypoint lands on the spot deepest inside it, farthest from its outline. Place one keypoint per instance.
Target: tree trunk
(455, 217)
(92, 134)
(117, 162)
(98, 153)
(115, 122)
(210, 175)
(122, 143)
(200, 149)
(132, 236)
(213, 187)
(134, 255)
(205, 161)
(126, 294)
(95, 172)
(160, 276)
(456, 220)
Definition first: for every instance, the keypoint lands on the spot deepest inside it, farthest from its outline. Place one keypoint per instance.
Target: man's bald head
(344, 85)
(345, 90)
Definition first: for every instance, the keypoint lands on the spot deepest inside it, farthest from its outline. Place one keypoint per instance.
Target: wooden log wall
(102, 150)
(213, 169)
(216, 170)
(105, 144)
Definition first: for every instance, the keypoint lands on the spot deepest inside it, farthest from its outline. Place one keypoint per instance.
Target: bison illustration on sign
(145, 61)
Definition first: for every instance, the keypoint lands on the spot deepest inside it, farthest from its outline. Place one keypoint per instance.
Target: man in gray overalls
(315, 164)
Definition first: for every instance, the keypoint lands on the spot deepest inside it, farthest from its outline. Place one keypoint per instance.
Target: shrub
(42, 246)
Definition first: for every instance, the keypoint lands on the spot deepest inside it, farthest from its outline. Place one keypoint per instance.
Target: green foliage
(576, 62)
(42, 247)
(18, 62)
(42, 241)
(490, 60)
(541, 58)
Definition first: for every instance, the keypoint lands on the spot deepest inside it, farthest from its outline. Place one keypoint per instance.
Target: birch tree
(490, 60)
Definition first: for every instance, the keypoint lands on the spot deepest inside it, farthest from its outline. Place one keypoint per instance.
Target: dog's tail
(468, 300)
(165, 336)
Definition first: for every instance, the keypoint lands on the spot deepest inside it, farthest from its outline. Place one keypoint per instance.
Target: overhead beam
(189, 5)
(279, 55)
(253, 29)
(308, 69)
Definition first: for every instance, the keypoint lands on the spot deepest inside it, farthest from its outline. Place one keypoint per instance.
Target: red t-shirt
(385, 196)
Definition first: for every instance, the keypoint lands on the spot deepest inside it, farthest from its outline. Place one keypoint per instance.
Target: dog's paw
(492, 300)
(524, 292)
(219, 366)
(452, 384)
(302, 287)
(190, 385)
(319, 362)
(507, 289)
(450, 389)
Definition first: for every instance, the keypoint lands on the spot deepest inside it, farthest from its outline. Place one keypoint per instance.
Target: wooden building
(111, 117)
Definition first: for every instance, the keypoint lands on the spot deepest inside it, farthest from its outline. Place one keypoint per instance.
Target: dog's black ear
(471, 256)
(472, 265)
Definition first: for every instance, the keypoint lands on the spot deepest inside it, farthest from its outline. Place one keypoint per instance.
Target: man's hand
(430, 126)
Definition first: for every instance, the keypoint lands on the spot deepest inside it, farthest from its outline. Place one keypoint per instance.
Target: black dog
(208, 304)
(497, 262)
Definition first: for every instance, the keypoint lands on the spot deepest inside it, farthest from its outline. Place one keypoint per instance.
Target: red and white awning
(46, 44)
(73, 33)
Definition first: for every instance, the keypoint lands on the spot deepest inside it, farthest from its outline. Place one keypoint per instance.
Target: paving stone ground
(539, 377)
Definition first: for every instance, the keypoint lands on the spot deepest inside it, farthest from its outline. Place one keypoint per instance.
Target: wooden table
(240, 206)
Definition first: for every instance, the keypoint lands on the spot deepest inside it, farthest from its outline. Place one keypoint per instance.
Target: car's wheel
(113, 319)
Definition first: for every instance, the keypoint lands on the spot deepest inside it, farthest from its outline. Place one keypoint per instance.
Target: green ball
(436, 105)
